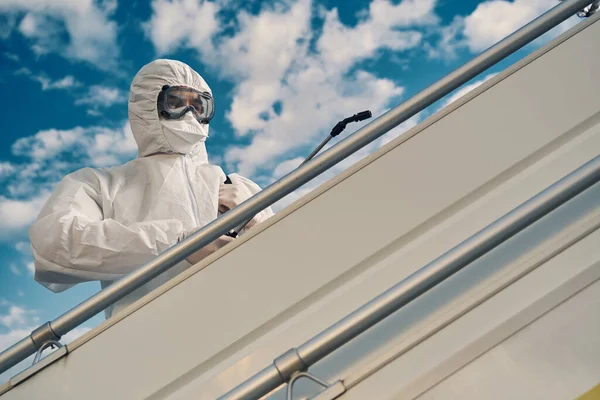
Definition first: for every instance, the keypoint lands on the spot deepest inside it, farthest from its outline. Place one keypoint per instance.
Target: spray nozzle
(340, 126)
(361, 116)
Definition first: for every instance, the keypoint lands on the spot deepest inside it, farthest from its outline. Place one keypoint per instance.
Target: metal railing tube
(90, 307)
(14, 354)
(426, 278)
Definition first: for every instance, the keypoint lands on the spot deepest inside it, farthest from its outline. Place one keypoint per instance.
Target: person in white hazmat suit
(101, 224)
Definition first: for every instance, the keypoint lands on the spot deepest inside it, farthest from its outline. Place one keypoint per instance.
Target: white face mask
(185, 135)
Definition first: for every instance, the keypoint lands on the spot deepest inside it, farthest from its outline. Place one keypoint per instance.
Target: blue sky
(283, 72)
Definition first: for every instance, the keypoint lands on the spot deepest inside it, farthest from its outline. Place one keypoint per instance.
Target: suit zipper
(191, 190)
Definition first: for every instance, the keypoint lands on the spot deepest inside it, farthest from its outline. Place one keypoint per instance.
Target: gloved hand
(232, 195)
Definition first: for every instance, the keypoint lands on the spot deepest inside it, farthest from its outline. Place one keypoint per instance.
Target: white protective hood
(152, 134)
(101, 224)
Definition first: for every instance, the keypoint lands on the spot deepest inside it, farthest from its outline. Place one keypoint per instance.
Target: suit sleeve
(72, 242)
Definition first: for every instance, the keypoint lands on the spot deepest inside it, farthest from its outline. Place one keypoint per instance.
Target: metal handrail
(297, 360)
(98, 302)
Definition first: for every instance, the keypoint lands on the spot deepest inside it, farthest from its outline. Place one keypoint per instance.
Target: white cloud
(93, 113)
(51, 155)
(30, 267)
(287, 94)
(450, 40)
(64, 83)
(78, 29)
(12, 56)
(343, 46)
(260, 87)
(407, 13)
(15, 270)
(23, 71)
(102, 96)
(108, 6)
(302, 121)
(17, 316)
(99, 145)
(40, 50)
(111, 147)
(48, 143)
(176, 23)
(6, 169)
(30, 24)
(494, 20)
(8, 22)
(489, 23)
(47, 83)
(17, 215)
(22, 247)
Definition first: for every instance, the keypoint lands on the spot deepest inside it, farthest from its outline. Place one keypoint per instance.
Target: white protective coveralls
(101, 224)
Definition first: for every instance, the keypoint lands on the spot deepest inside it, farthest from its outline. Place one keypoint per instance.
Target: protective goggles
(175, 101)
